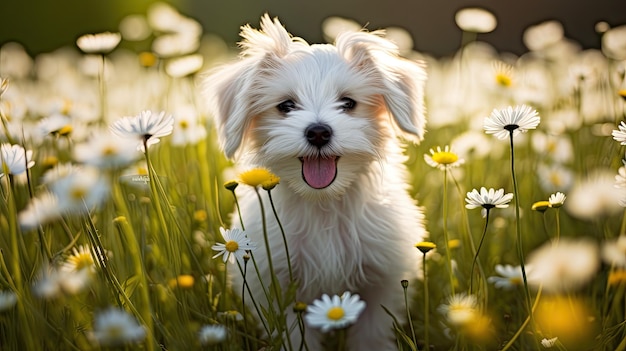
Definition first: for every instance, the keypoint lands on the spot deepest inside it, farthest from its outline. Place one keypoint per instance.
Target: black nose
(318, 134)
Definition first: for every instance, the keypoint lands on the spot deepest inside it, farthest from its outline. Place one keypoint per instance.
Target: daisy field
(115, 219)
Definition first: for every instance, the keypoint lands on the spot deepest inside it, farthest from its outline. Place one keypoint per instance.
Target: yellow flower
(565, 316)
(200, 215)
(299, 307)
(541, 206)
(425, 246)
(504, 74)
(257, 176)
(443, 159)
(271, 182)
(147, 59)
(622, 93)
(183, 281)
(617, 277)
(65, 130)
(454, 243)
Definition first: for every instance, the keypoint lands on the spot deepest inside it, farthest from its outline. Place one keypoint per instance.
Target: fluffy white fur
(358, 233)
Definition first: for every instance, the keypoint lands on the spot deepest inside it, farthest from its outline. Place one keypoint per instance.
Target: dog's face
(316, 115)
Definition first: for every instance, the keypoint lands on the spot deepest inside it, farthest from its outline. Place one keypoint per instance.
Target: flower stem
(480, 244)
(282, 231)
(518, 227)
(275, 286)
(405, 285)
(426, 306)
(445, 230)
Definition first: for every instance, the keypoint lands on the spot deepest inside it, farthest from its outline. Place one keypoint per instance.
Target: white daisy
(501, 123)
(334, 313)
(82, 189)
(614, 43)
(47, 286)
(487, 199)
(543, 35)
(595, 196)
(106, 151)
(187, 128)
(184, 66)
(212, 334)
(79, 259)
(55, 124)
(554, 177)
(620, 133)
(461, 309)
(614, 252)
(443, 159)
(39, 211)
(147, 127)
(8, 299)
(509, 277)
(548, 343)
(563, 266)
(114, 327)
(557, 147)
(14, 159)
(476, 20)
(557, 200)
(100, 43)
(134, 28)
(236, 243)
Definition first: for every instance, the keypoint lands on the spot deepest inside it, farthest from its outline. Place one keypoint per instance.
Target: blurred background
(43, 25)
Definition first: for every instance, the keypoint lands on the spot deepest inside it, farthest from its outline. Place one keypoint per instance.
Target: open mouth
(319, 172)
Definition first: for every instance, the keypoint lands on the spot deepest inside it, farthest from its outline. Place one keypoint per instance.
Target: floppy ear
(230, 89)
(402, 81)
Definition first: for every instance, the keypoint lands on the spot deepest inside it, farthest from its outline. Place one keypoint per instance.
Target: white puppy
(326, 119)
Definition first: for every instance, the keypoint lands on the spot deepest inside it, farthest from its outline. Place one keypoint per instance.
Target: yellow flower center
(81, 260)
(232, 246)
(445, 157)
(503, 80)
(622, 93)
(425, 246)
(115, 332)
(555, 179)
(335, 313)
(200, 215)
(256, 176)
(108, 151)
(147, 59)
(66, 130)
(183, 124)
(78, 193)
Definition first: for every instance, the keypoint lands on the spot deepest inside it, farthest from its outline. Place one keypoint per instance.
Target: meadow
(117, 202)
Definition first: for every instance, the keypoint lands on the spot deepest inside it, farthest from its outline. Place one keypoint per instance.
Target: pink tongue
(319, 172)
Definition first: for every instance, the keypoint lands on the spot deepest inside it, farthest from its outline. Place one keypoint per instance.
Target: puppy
(326, 119)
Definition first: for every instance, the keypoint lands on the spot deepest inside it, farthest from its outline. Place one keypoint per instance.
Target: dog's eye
(286, 106)
(347, 104)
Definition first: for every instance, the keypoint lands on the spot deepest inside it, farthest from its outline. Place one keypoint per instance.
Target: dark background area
(44, 25)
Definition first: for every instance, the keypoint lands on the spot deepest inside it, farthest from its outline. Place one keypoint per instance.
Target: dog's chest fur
(336, 245)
